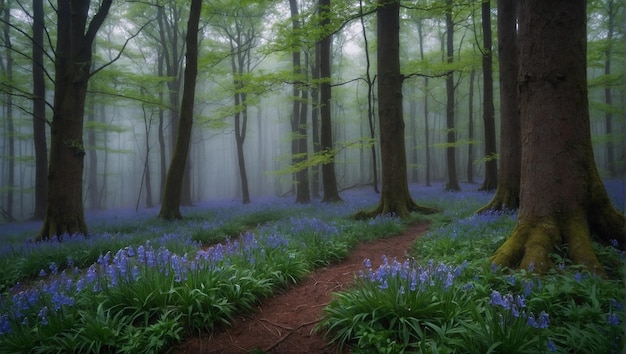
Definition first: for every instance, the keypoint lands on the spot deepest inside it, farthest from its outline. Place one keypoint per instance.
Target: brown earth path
(284, 323)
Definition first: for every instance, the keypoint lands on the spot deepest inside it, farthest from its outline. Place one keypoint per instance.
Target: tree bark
(426, 112)
(563, 200)
(6, 9)
(170, 208)
(298, 144)
(470, 133)
(329, 179)
(395, 197)
(491, 163)
(39, 113)
(370, 102)
(453, 182)
(507, 192)
(64, 210)
(608, 116)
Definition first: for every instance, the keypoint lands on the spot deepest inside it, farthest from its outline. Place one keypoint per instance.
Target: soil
(285, 322)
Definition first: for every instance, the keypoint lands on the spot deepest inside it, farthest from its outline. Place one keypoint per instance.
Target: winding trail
(284, 322)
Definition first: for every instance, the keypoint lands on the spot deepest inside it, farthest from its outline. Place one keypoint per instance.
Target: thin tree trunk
(301, 176)
(39, 113)
(507, 193)
(491, 163)
(329, 179)
(370, 103)
(426, 129)
(315, 122)
(608, 116)
(170, 208)
(9, 109)
(470, 136)
(453, 183)
(395, 197)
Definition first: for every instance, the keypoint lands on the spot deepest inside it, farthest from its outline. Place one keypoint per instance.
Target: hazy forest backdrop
(246, 75)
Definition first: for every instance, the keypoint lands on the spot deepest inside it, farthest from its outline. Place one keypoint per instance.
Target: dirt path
(283, 323)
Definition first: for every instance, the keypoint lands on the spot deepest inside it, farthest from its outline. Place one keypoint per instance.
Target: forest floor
(284, 323)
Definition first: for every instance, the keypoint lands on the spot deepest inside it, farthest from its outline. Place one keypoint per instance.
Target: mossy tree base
(505, 199)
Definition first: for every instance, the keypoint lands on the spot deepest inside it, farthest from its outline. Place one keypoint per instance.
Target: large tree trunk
(453, 182)
(329, 179)
(39, 113)
(64, 210)
(395, 197)
(507, 193)
(170, 208)
(563, 199)
(491, 164)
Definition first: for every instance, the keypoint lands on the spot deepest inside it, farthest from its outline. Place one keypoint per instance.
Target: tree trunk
(298, 144)
(161, 136)
(426, 129)
(395, 197)
(329, 179)
(608, 116)
(9, 110)
(303, 193)
(507, 193)
(370, 102)
(453, 183)
(39, 113)
(170, 208)
(64, 210)
(491, 163)
(563, 199)
(315, 122)
(470, 135)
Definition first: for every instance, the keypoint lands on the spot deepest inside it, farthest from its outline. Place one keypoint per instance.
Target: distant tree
(507, 192)
(453, 183)
(329, 180)
(563, 200)
(395, 197)
(491, 164)
(170, 208)
(39, 112)
(241, 25)
(75, 36)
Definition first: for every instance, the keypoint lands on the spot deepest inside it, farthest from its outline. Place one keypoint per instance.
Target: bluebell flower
(542, 322)
(42, 314)
(551, 346)
(613, 319)
(578, 276)
(54, 269)
(5, 326)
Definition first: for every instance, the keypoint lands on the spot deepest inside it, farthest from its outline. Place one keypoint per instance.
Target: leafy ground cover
(142, 285)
